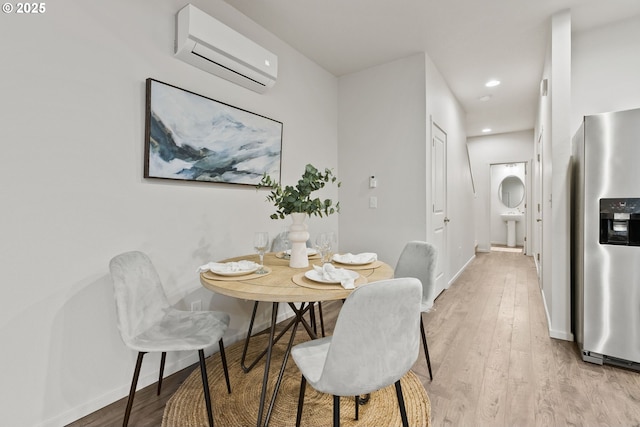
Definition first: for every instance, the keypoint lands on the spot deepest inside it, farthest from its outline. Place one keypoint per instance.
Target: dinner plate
(338, 258)
(318, 277)
(241, 272)
(310, 251)
(234, 273)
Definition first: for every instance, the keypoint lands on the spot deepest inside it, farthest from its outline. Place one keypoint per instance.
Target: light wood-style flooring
(493, 361)
(495, 365)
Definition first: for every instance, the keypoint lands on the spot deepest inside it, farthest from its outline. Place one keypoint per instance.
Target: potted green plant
(298, 202)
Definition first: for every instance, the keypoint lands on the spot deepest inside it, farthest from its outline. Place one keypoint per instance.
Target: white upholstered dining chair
(148, 323)
(418, 259)
(374, 344)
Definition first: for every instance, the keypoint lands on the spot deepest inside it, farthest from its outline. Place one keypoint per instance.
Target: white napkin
(330, 273)
(228, 267)
(362, 258)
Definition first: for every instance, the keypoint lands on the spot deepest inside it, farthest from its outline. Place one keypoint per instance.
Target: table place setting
(236, 270)
(328, 276)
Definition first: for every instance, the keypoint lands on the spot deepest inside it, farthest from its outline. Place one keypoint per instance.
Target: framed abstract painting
(191, 137)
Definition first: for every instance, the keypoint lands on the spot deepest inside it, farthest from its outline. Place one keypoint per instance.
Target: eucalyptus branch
(290, 199)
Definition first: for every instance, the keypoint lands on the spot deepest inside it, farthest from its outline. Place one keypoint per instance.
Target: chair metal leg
(357, 399)
(336, 411)
(162, 360)
(303, 385)
(403, 410)
(205, 386)
(132, 390)
(312, 317)
(321, 318)
(426, 348)
(223, 356)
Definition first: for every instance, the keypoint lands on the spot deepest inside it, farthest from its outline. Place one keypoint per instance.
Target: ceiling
(470, 41)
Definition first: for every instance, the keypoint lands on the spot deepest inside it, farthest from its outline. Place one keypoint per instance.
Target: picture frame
(190, 137)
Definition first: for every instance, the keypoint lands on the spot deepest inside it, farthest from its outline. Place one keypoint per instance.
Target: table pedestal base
(293, 325)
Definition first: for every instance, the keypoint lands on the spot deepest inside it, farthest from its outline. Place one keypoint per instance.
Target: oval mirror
(511, 191)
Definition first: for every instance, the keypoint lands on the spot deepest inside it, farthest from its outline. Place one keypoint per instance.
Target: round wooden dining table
(283, 284)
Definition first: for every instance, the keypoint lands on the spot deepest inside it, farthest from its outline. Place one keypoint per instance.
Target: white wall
(382, 133)
(512, 147)
(605, 69)
(444, 110)
(73, 196)
(553, 129)
(384, 130)
(589, 72)
(543, 245)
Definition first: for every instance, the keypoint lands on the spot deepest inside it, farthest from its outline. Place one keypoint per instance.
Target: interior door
(439, 218)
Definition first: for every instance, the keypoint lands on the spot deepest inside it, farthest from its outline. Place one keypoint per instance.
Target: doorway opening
(508, 204)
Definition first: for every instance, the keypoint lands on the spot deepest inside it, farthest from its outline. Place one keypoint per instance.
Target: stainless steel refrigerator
(606, 238)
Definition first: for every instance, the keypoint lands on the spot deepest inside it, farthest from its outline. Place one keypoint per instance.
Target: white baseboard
(554, 333)
(561, 335)
(144, 381)
(455, 277)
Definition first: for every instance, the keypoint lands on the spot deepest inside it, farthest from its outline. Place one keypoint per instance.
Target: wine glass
(286, 243)
(322, 243)
(331, 245)
(260, 244)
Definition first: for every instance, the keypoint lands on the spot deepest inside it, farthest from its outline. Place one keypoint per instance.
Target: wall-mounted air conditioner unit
(206, 43)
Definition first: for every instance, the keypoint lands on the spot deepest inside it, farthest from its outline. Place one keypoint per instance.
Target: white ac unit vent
(207, 43)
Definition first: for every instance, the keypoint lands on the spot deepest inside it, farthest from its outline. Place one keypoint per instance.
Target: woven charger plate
(186, 408)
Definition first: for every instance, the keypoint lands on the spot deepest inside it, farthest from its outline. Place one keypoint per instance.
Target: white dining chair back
(281, 242)
(418, 259)
(375, 343)
(148, 323)
(141, 301)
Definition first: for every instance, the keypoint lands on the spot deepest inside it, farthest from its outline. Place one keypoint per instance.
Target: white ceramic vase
(298, 236)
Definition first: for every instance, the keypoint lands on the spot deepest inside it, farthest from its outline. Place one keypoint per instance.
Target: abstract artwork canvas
(195, 138)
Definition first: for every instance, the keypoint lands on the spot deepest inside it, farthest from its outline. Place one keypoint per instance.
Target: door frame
(537, 207)
(438, 219)
(527, 202)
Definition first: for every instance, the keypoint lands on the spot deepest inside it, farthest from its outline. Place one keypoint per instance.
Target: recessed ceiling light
(485, 130)
(492, 83)
(485, 98)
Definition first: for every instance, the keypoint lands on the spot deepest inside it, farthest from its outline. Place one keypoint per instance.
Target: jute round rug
(186, 408)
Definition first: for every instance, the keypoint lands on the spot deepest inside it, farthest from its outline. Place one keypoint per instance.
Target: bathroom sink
(511, 216)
